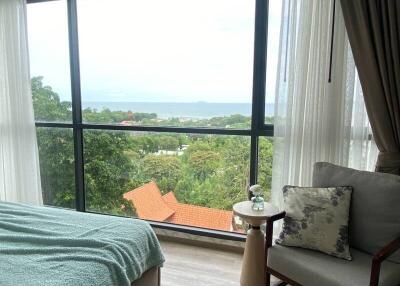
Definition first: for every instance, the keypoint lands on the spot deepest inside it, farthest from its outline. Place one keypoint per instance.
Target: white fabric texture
(19, 162)
(316, 120)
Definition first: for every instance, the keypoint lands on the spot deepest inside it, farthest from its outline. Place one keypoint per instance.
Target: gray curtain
(373, 27)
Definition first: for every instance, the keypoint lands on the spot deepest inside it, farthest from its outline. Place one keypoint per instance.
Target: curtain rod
(332, 38)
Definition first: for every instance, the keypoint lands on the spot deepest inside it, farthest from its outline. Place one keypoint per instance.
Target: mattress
(51, 246)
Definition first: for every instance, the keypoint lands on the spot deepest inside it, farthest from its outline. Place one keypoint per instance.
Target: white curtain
(19, 163)
(316, 119)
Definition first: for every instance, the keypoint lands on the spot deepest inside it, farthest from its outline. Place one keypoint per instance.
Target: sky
(153, 50)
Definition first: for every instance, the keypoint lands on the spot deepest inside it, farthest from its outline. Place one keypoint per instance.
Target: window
(56, 153)
(194, 170)
(158, 106)
(181, 61)
(274, 32)
(49, 61)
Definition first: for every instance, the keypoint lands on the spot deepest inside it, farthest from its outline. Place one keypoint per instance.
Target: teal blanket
(49, 246)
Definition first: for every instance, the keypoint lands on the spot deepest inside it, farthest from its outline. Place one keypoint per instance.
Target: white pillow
(317, 218)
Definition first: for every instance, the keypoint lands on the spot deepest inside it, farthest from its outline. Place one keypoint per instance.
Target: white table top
(244, 210)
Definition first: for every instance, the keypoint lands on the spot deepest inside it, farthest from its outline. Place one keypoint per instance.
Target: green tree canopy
(47, 104)
(164, 170)
(213, 170)
(169, 143)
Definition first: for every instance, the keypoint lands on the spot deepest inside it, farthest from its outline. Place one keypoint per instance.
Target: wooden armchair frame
(377, 259)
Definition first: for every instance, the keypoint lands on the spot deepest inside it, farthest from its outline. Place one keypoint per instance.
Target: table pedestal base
(253, 266)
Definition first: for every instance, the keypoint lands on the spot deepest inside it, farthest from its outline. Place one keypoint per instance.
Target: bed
(51, 246)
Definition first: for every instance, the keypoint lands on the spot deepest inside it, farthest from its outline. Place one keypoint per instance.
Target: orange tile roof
(200, 216)
(149, 203)
(170, 198)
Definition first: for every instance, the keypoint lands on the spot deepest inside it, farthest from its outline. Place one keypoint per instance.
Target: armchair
(380, 257)
(376, 260)
(374, 236)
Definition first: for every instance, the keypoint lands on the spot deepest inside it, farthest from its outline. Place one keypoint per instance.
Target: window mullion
(76, 104)
(259, 78)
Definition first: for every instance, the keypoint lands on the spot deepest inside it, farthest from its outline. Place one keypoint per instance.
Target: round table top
(245, 211)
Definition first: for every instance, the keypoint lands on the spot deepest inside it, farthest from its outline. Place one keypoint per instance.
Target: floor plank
(188, 265)
(197, 266)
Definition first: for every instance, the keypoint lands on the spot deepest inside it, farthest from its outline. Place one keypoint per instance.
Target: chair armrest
(268, 236)
(379, 257)
(269, 227)
(276, 217)
(388, 250)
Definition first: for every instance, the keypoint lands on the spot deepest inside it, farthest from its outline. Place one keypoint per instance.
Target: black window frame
(258, 126)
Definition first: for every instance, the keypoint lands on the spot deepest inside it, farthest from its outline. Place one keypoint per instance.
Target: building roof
(200, 216)
(152, 205)
(149, 203)
(169, 198)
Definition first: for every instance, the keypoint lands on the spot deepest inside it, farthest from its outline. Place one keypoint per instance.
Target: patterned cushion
(317, 218)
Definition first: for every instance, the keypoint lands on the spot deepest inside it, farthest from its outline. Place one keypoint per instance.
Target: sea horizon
(200, 110)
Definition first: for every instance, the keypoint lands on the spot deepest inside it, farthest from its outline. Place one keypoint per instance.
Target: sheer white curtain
(19, 163)
(316, 119)
(363, 151)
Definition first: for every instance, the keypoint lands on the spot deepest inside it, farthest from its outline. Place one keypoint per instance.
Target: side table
(253, 265)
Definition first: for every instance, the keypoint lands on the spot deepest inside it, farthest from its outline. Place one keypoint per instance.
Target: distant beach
(201, 110)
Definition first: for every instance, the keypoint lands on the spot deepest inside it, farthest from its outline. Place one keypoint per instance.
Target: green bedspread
(49, 246)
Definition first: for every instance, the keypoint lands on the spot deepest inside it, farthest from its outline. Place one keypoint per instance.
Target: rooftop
(150, 204)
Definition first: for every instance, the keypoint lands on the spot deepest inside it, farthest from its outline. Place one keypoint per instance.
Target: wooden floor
(198, 266)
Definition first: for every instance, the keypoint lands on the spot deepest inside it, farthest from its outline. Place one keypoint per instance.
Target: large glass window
(194, 169)
(265, 156)
(181, 61)
(49, 60)
(56, 156)
(273, 57)
(167, 122)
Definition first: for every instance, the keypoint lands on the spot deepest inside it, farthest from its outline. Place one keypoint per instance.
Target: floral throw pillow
(317, 218)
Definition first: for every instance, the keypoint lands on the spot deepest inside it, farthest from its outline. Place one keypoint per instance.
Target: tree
(265, 165)
(107, 168)
(203, 163)
(56, 153)
(169, 143)
(145, 144)
(55, 145)
(140, 116)
(47, 104)
(213, 171)
(164, 170)
(104, 116)
(108, 171)
(222, 185)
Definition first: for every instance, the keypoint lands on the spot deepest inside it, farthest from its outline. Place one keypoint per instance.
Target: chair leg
(268, 279)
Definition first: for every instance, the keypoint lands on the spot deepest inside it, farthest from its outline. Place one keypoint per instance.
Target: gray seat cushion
(312, 268)
(375, 205)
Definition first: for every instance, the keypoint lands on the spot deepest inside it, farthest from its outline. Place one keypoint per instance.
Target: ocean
(201, 110)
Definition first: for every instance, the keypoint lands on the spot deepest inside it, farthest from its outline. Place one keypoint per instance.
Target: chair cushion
(312, 268)
(374, 211)
(317, 218)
